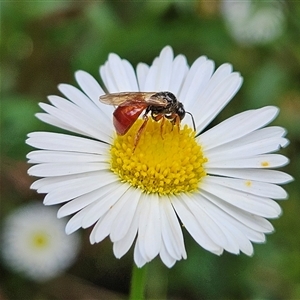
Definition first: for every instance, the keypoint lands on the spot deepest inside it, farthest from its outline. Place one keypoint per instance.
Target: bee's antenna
(192, 120)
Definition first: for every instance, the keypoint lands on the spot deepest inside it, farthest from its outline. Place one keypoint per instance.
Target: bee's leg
(157, 118)
(140, 131)
(175, 120)
(162, 127)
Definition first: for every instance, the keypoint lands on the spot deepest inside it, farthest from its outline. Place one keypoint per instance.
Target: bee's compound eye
(181, 112)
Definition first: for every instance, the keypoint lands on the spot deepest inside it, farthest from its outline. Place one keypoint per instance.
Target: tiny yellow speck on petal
(166, 161)
(248, 183)
(265, 164)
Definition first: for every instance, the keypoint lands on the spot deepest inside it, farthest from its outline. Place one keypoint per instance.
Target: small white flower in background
(35, 244)
(218, 183)
(252, 22)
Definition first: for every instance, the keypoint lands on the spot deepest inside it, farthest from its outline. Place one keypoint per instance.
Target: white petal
(253, 187)
(103, 227)
(232, 229)
(192, 225)
(93, 90)
(139, 260)
(263, 175)
(44, 156)
(144, 212)
(65, 191)
(252, 222)
(213, 230)
(125, 217)
(260, 206)
(171, 231)
(116, 75)
(164, 69)
(78, 98)
(96, 210)
(108, 78)
(237, 126)
(153, 231)
(122, 246)
(60, 169)
(83, 201)
(179, 71)
(97, 110)
(190, 82)
(247, 150)
(54, 121)
(130, 75)
(75, 222)
(261, 141)
(259, 161)
(166, 258)
(117, 72)
(198, 84)
(45, 185)
(72, 115)
(150, 82)
(142, 71)
(219, 75)
(65, 142)
(90, 86)
(149, 234)
(216, 100)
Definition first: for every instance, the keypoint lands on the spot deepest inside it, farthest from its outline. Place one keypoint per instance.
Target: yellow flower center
(167, 160)
(40, 240)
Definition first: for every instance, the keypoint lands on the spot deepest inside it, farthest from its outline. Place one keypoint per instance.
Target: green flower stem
(138, 283)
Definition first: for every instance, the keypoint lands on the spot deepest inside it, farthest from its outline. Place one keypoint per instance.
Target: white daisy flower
(218, 183)
(252, 22)
(34, 243)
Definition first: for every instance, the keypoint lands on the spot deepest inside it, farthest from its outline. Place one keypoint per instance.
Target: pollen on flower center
(166, 160)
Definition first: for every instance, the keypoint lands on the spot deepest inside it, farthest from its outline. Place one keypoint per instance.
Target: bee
(130, 105)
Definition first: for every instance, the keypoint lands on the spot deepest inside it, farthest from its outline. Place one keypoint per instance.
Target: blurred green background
(44, 42)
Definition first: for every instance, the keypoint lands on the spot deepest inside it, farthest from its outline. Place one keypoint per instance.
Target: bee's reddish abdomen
(125, 116)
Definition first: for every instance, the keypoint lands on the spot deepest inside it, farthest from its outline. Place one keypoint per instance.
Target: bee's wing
(130, 98)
